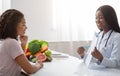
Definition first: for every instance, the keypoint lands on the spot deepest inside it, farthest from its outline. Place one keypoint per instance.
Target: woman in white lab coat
(107, 49)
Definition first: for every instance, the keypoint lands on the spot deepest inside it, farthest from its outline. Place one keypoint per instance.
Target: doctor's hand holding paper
(106, 51)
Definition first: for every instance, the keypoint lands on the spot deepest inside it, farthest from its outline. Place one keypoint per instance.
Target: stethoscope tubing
(102, 38)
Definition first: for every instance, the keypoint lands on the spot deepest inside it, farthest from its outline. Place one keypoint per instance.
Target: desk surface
(65, 65)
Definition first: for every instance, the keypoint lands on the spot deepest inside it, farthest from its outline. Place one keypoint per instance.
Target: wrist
(23, 46)
(82, 56)
(98, 62)
(101, 59)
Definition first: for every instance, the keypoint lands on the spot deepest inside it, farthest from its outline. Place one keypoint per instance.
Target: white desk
(72, 66)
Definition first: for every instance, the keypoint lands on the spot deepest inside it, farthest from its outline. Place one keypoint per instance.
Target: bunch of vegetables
(38, 50)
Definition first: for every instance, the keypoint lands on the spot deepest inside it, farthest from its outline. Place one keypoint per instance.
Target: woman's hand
(23, 40)
(40, 64)
(81, 51)
(97, 54)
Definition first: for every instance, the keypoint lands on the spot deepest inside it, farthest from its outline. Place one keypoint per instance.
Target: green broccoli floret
(43, 43)
(34, 46)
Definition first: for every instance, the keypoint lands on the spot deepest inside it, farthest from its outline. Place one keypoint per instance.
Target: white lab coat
(111, 53)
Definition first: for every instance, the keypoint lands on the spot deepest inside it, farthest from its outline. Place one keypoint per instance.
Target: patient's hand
(23, 40)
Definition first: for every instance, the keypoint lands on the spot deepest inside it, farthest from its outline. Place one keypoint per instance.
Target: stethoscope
(101, 40)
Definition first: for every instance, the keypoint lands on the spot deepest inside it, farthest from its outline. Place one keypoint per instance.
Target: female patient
(107, 49)
(12, 58)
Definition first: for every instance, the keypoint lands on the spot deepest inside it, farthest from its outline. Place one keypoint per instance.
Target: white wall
(38, 14)
(4, 5)
(0, 6)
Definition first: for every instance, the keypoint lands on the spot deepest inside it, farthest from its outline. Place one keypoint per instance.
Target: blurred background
(65, 24)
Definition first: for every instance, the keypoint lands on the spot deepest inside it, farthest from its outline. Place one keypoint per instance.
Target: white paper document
(91, 48)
